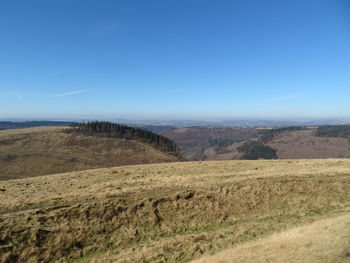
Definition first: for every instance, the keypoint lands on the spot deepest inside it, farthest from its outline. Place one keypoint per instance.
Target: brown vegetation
(47, 150)
(171, 212)
(323, 241)
(304, 144)
(194, 141)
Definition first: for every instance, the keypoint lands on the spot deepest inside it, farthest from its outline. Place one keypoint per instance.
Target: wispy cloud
(75, 92)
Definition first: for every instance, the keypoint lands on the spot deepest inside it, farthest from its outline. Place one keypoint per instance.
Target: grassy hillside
(28, 124)
(323, 241)
(305, 144)
(116, 130)
(47, 150)
(173, 212)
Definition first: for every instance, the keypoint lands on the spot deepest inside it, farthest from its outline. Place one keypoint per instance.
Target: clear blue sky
(175, 58)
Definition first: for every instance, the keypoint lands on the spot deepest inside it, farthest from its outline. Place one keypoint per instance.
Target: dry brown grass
(323, 241)
(47, 150)
(9, 132)
(171, 212)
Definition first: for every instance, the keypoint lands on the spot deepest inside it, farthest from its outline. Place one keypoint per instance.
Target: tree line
(115, 130)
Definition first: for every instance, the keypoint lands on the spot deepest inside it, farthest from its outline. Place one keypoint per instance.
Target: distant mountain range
(162, 125)
(232, 123)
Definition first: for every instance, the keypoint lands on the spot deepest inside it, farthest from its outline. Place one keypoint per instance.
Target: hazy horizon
(146, 119)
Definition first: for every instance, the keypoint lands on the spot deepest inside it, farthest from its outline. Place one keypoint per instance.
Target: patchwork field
(178, 212)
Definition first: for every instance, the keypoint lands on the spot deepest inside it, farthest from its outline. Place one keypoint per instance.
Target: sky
(175, 59)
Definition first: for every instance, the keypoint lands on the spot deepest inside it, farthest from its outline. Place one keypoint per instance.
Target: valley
(295, 142)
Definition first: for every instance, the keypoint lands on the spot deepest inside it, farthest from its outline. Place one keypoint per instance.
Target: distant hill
(159, 129)
(295, 142)
(180, 123)
(194, 141)
(47, 150)
(292, 143)
(342, 131)
(306, 144)
(115, 130)
(28, 124)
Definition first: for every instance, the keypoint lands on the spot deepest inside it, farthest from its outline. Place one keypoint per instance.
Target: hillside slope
(194, 141)
(304, 144)
(173, 212)
(297, 144)
(326, 240)
(47, 150)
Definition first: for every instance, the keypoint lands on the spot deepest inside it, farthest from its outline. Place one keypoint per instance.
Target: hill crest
(47, 150)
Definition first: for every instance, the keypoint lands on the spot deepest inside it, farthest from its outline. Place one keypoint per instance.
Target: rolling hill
(47, 150)
(305, 144)
(28, 124)
(178, 212)
(295, 142)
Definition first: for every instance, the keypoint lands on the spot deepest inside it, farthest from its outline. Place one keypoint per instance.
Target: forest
(254, 150)
(114, 130)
